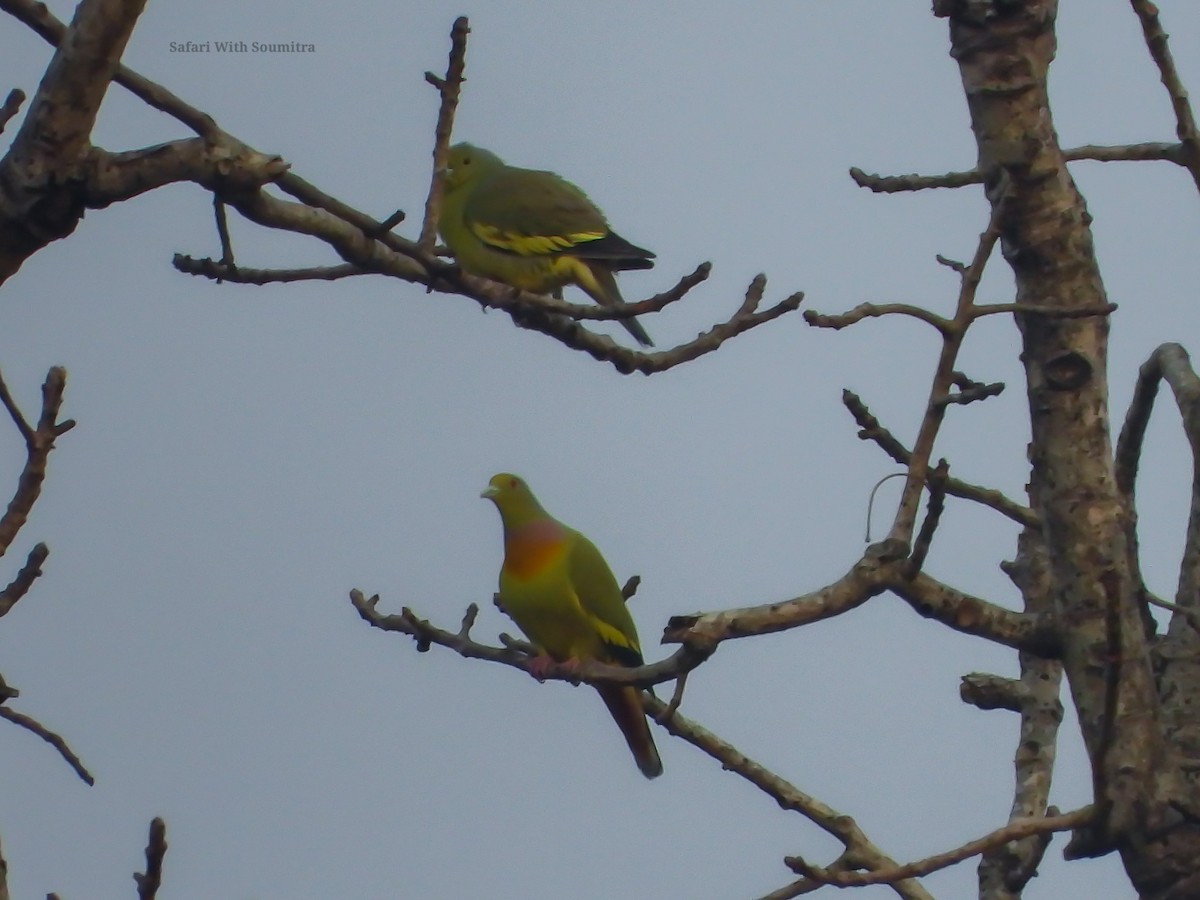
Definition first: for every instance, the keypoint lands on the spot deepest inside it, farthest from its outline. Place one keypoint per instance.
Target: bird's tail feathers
(625, 705)
(608, 294)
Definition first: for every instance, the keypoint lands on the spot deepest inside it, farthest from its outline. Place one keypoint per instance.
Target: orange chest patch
(531, 550)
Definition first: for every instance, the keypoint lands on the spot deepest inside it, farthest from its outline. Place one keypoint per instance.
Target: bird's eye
(512, 482)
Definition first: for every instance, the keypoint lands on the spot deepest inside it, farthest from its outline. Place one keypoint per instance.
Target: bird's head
(466, 162)
(512, 497)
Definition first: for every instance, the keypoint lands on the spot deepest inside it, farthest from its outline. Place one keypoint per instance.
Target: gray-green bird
(532, 230)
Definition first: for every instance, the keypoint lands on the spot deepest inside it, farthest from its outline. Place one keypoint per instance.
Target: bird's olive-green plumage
(532, 230)
(561, 593)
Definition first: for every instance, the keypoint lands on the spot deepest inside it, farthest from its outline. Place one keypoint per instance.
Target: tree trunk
(1004, 50)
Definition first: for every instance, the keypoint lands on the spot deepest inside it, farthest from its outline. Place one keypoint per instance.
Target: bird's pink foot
(543, 666)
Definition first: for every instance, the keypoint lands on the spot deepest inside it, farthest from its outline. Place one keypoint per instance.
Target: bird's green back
(601, 597)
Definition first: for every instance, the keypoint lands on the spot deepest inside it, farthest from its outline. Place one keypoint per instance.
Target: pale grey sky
(245, 456)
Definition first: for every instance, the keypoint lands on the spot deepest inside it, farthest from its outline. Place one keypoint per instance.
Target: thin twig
(448, 88)
(15, 413)
(676, 696)
(218, 271)
(1054, 312)
(972, 394)
(890, 184)
(1160, 52)
(931, 422)
(1016, 830)
(54, 740)
(1192, 615)
(539, 303)
(39, 442)
(933, 515)
(875, 310)
(872, 430)
(223, 232)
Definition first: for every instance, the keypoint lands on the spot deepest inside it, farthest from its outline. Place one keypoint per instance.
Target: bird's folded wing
(601, 599)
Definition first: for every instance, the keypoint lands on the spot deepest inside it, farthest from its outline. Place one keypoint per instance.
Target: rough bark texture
(1004, 50)
(43, 176)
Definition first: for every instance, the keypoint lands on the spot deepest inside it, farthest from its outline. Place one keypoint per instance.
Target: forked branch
(237, 175)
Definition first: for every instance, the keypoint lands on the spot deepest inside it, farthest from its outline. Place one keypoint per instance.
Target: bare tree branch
(519, 655)
(40, 202)
(448, 88)
(51, 30)
(1168, 362)
(890, 184)
(236, 173)
(38, 442)
(868, 578)
(1015, 830)
(1004, 870)
(875, 310)
(1054, 312)
(883, 567)
(54, 740)
(972, 615)
(933, 516)
(787, 795)
(218, 271)
(986, 691)
(12, 105)
(4, 895)
(223, 231)
(1185, 122)
(931, 422)
(149, 882)
(28, 574)
(872, 430)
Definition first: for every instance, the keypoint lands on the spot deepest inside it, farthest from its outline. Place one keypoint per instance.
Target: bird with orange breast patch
(559, 590)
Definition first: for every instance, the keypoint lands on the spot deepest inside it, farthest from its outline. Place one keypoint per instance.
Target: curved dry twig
(877, 310)
(1171, 363)
(54, 739)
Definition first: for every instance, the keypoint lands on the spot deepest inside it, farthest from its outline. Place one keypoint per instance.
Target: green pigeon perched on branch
(532, 230)
(559, 590)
